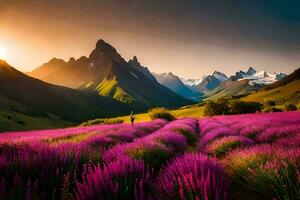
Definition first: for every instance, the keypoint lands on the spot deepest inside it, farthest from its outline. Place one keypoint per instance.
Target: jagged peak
(171, 74)
(135, 59)
(106, 51)
(56, 60)
(100, 43)
(82, 59)
(219, 75)
(104, 46)
(251, 71)
(72, 60)
(216, 72)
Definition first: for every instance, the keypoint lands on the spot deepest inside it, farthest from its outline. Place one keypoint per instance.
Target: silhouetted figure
(132, 118)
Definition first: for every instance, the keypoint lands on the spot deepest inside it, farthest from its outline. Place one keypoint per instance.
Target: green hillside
(195, 111)
(111, 88)
(43, 105)
(289, 93)
(110, 75)
(287, 90)
(13, 121)
(288, 79)
(231, 88)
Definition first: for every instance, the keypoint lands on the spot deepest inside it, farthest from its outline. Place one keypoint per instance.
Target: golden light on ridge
(3, 53)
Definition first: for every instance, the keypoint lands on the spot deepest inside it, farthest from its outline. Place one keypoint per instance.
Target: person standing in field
(132, 118)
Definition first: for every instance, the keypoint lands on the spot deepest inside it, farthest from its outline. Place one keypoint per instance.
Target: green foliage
(270, 102)
(103, 121)
(272, 180)
(217, 107)
(154, 157)
(290, 107)
(241, 107)
(190, 137)
(161, 113)
(110, 88)
(224, 106)
(269, 109)
(222, 150)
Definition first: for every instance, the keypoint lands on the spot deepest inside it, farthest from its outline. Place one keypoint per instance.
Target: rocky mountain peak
(104, 47)
(72, 60)
(250, 71)
(104, 51)
(219, 75)
(135, 59)
(135, 62)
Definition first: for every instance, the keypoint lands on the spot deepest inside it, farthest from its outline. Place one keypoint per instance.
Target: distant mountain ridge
(243, 83)
(286, 90)
(174, 83)
(218, 84)
(257, 78)
(210, 82)
(106, 72)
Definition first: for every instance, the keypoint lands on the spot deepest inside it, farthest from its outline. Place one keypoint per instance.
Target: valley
(149, 100)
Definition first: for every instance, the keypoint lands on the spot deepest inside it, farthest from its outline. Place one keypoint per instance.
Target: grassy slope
(187, 111)
(12, 121)
(230, 89)
(287, 93)
(110, 88)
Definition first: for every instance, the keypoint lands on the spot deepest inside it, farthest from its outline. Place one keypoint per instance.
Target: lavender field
(254, 156)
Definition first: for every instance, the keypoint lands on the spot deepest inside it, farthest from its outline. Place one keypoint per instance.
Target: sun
(3, 53)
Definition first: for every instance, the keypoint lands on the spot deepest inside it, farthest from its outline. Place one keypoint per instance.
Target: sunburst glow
(3, 53)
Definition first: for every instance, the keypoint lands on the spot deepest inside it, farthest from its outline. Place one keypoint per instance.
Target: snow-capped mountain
(241, 82)
(191, 82)
(210, 82)
(174, 83)
(260, 78)
(220, 76)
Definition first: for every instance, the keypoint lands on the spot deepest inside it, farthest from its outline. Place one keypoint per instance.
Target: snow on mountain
(175, 84)
(221, 76)
(191, 82)
(261, 77)
(250, 71)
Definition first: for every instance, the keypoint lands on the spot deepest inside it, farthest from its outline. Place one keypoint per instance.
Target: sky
(190, 38)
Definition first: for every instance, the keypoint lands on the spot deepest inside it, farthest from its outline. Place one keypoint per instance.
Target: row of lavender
(137, 170)
(47, 164)
(259, 152)
(105, 162)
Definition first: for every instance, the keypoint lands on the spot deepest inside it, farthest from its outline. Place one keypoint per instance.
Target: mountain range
(107, 73)
(174, 83)
(284, 91)
(67, 92)
(219, 84)
(104, 84)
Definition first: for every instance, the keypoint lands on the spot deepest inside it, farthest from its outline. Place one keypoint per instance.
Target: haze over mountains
(219, 84)
(106, 72)
(23, 94)
(105, 85)
(174, 83)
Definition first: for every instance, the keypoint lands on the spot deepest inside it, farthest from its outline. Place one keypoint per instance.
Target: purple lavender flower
(192, 176)
(122, 179)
